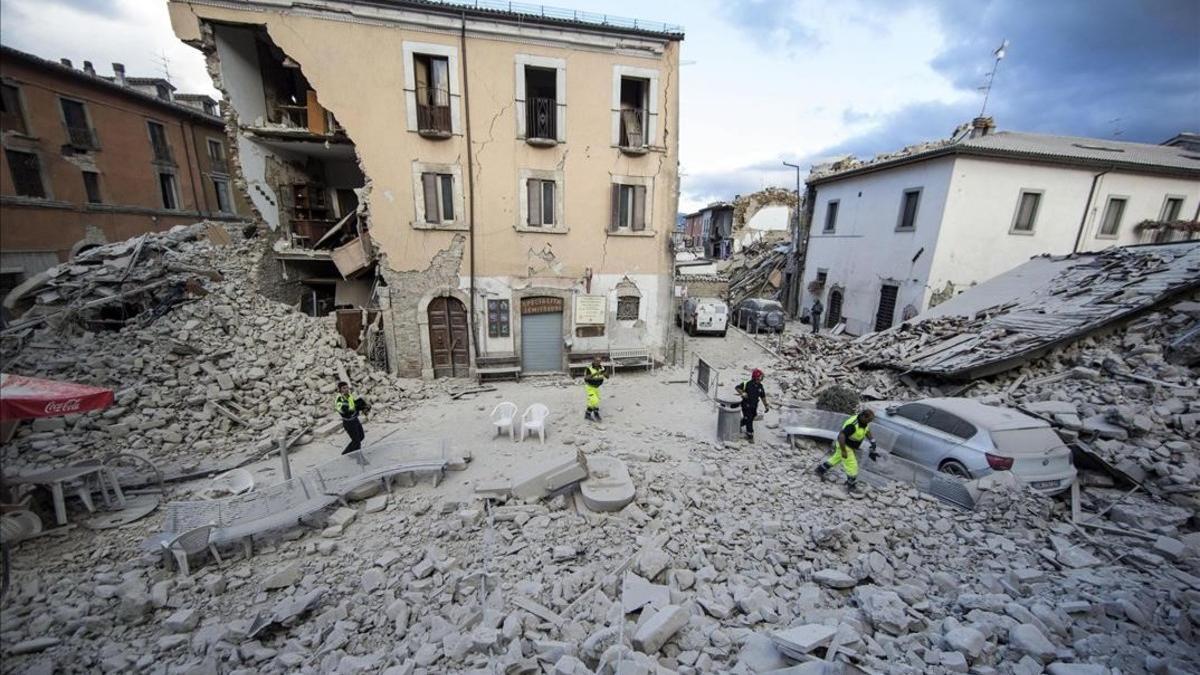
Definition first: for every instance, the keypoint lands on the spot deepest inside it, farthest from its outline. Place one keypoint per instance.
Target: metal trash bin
(729, 417)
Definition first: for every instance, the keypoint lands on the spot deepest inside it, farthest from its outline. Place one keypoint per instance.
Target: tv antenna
(999, 53)
(164, 63)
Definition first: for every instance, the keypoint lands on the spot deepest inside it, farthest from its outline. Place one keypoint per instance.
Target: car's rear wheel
(955, 469)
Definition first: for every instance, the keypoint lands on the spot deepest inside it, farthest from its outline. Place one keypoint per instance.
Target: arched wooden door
(833, 309)
(449, 349)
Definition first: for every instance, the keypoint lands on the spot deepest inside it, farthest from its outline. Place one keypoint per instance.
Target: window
(221, 188)
(432, 83)
(634, 109)
(166, 186)
(541, 202)
(210, 108)
(627, 308)
(26, 173)
(91, 185)
(1171, 208)
(498, 318)
(628, 208)
(1027, 209)
(908, 209)
(831, 213)
(1112, 216)
(12, 117)
(158, 142)
(949, 423)
(822, 277)
(216, 156)
(439, 197)
(162, 91)
(79, 132)
(541, 103)
(917, 412)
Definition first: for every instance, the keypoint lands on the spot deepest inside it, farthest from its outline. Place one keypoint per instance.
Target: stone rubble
(736, 559)
(216, 380)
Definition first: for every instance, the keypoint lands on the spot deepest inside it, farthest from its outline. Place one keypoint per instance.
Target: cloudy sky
(807, 80)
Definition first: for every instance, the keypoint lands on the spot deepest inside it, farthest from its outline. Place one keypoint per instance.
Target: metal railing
(82, 137)
(561, 14)
(162, 151)
(433, 110)
(633, 128)
(541, 118)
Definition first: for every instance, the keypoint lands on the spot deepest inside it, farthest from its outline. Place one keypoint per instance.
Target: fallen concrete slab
(608, 486)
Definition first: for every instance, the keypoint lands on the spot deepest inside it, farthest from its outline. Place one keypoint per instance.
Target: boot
(596, 415)
(587, 414)
(821, 469)
(851, 484)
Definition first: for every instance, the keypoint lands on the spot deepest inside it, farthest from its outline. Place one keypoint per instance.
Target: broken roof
(1051, 149)
(1046, 303)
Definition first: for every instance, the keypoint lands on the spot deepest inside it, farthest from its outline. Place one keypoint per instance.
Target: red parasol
(28, 397)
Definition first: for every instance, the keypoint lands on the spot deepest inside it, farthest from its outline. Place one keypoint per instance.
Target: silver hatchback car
(968, 439)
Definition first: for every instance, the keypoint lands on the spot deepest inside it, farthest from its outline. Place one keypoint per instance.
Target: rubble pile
(756, 271)
(217, 375)
(711, 569)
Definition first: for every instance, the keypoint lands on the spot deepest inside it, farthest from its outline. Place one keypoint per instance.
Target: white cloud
(134, 32)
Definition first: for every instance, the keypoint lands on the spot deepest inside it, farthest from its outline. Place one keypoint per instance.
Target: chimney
(66, 62)
(87, 68)
(119, 73)
(982, 126)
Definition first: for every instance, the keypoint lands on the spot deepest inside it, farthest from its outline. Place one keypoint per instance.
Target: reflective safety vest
(347, 406)
(593, 377)
(854, 432)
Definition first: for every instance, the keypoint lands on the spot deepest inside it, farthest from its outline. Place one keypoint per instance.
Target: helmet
(756, 373)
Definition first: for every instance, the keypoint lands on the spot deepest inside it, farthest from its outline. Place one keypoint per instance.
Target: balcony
(162, 151)
(83, 138)
(632, 137)
(433, 112)
(541, 121)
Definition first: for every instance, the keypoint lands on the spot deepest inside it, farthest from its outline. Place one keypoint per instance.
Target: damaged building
(894, 236)
(422, 162)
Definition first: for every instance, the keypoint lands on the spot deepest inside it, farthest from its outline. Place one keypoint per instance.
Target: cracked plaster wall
(344, 59)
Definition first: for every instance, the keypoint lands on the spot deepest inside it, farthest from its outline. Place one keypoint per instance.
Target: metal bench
(581, 360)
(637, 357)
(497, 368)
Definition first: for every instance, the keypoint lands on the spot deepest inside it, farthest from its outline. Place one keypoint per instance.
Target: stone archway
(428, 368)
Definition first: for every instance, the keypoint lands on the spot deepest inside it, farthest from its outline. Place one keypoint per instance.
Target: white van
(704, 315)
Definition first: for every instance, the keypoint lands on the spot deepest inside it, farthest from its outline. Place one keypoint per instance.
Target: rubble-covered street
(732, 557)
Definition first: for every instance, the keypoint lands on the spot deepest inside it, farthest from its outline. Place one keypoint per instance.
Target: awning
(29, 397)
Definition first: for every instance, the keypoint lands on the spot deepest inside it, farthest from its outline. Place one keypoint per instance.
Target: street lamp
(791, 291)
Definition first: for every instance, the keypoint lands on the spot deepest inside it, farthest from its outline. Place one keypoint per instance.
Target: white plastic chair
(534, 419)
(195, 540)
(504, 417)
(230, 483)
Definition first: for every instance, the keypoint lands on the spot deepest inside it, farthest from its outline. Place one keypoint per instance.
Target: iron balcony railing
(541, 118)
(162, 151)
(633, 128)
(433, 110)
(82, 137)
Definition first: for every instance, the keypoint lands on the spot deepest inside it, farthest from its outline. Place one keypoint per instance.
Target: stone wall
(405, 291)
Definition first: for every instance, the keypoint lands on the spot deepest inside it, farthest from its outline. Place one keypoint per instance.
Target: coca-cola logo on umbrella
(62, 407)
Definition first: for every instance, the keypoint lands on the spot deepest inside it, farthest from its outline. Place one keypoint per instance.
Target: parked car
(759, 315)
(704, 315)
(968, 439)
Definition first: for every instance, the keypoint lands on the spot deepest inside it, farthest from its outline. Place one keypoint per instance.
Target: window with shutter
(638, 223)
(614, 219)
(429, 183)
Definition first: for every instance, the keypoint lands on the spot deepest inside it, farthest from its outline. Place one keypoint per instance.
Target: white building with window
(892, 237)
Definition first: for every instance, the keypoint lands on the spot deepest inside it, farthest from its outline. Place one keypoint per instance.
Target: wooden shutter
(548, 202)
(429, 182)
(615, 214)
(639, 208)
(533, 190)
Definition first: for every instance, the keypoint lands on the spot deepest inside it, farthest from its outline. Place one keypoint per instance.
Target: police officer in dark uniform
(349, 406)
(752, 392)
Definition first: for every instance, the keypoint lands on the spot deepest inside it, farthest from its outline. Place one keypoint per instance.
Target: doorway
(449, 350)
(541, 335)
(833, 309)
(887, 306)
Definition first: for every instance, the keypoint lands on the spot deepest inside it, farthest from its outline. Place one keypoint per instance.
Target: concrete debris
(202, 361)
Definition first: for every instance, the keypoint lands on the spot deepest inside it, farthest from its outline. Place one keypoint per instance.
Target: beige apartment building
(498, 187)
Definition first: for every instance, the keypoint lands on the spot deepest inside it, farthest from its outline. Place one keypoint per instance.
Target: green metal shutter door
(541, 342)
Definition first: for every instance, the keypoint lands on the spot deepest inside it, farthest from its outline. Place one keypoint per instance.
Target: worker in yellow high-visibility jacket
(855, 430)
(593, 377)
